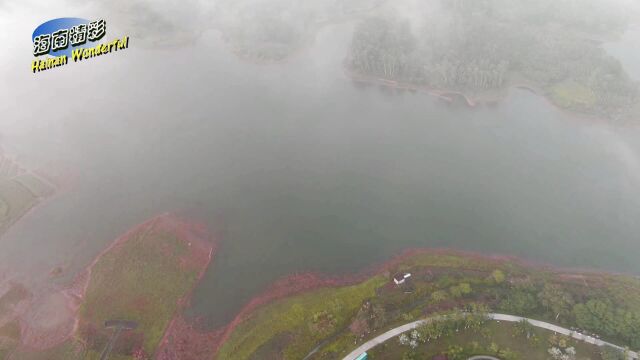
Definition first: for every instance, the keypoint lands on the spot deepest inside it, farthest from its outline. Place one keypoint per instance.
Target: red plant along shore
(301, 283)
(39, 332)
(184, 340)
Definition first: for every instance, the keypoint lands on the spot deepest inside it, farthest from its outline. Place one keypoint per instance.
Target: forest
(477, 46)
(272, 30)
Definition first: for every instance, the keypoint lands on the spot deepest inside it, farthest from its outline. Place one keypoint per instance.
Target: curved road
(492, 316)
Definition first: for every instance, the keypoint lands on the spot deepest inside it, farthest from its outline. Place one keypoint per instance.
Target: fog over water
(292, 166)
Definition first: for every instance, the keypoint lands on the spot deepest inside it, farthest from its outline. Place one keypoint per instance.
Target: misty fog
(243, 114)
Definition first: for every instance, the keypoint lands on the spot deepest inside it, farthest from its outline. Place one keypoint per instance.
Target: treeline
(609, 310)
(600, 315)
(271, 30)
(386, 47)
(484, 44)
(597, 314)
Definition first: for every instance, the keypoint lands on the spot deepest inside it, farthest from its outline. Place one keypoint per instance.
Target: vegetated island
(480, 49)
(142, 280)
(21, 190)
(330, 321)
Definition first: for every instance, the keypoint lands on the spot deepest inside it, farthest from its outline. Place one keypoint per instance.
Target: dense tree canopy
(489, 44)
(557, 300)
(603, 317)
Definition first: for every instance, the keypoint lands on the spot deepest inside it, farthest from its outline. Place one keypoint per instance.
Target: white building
(399, 279)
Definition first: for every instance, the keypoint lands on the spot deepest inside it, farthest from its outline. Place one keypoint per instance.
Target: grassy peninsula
(144, 277)
(337, 319)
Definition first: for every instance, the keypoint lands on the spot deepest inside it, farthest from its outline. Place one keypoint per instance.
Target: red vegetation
(51, 318)
(182, 341)
(300, 283)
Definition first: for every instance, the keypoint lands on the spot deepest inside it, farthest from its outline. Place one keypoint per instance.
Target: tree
(569, 353)
(460, 290)
(596, 315)
(519, 302)
(410, 355)
(555, 299)
(508, 354)
(455, 352)
(498, 276)
(524, 328)
(475, 315)
(371, 316)
(465, 288)
(602, 317)
(610, 353)
(438, 296)
(382, 47)
(479, 309)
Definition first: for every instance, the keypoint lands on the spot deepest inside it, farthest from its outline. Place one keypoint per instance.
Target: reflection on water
(296, 169)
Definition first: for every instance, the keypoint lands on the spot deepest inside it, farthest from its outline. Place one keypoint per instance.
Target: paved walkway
(492, 316)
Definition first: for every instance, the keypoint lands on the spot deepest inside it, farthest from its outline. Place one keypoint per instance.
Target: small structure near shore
(401, 278)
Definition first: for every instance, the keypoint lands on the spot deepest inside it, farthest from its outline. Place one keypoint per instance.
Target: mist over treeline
(286, 21)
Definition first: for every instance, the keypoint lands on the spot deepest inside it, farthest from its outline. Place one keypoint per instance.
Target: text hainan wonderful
(81, 54)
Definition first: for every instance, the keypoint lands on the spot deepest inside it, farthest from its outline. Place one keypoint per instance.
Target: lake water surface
(296, 169)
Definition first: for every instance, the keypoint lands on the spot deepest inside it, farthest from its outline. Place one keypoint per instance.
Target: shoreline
(39, 200)
(182, 336)
(298, 284)
(178, 326)
(448, 95)
(64, 302)
(483, 98)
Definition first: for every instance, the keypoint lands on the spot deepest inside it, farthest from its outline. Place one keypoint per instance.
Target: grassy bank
(291, 327)
(339, 319)
(140, 281)
(144, 277)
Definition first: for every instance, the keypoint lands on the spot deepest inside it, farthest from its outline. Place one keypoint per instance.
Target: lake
(295, 169)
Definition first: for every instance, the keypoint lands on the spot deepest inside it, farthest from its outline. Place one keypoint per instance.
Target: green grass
(69, 350)
(140, 281)
(502, 334)
(285, 330)
(295, 316)
(571, 95)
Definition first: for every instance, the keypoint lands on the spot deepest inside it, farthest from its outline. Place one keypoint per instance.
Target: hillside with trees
(479, 46)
